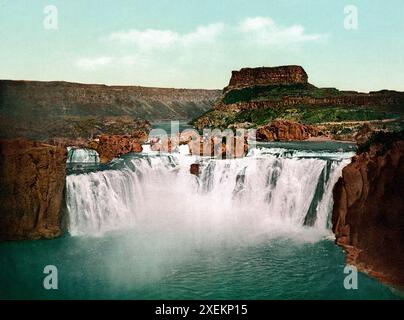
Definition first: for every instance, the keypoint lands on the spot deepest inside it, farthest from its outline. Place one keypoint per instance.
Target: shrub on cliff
(385, 139)
(276, 92)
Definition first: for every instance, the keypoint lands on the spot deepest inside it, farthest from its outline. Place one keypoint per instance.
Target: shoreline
(328, 139)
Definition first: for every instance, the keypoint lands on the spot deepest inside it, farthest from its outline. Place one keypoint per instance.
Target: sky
(350, 45)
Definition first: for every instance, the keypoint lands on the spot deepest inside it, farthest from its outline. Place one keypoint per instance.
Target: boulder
(195, 169)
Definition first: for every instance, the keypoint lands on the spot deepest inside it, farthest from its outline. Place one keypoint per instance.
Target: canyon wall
(32, 176)
(39, 100)
(372, 99)
(368, 213)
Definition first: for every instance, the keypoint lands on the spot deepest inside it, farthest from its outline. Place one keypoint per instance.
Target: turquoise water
(166, 126)
(144, 228)
(125, 266)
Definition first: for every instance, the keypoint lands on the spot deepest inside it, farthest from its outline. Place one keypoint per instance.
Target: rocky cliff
(258, 96)
(32, 179)
(267, 76)
(368, 214)
(38, 99)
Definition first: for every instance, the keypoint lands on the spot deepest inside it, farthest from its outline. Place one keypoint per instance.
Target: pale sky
(196, 44)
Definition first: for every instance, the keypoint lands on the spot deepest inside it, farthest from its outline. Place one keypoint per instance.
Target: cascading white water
(263, 192)
(78, 155)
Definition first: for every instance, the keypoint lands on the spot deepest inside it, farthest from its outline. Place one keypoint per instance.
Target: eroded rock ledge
(284, 130)
(368, 214)
(32, 176)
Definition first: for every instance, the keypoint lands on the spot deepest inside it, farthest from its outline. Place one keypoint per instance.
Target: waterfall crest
(78, 155)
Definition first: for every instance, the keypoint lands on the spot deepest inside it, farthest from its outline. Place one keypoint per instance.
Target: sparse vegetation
(304, 114)
(275, 93)
(314, 115)
(72, 127)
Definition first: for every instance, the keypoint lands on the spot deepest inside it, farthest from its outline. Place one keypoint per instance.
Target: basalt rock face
(368, 213)
(267, 76)
(38, 98)
(283, 130)
(32, 179)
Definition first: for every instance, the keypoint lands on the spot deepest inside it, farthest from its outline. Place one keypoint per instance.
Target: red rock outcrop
(220, 147)
(163, 145)
(267, 76)
(368, 214)
(170, 144)
(284, 130)
(110, 147)
(32, 179)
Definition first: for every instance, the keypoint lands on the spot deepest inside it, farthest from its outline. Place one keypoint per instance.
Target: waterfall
(77, 155)
(267, 190)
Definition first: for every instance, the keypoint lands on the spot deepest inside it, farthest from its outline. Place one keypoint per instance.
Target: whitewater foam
(265, 194)
(79, 155)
